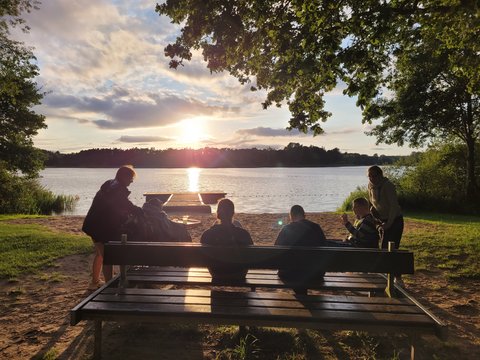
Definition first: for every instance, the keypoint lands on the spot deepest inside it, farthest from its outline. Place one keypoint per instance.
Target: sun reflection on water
(193, 177)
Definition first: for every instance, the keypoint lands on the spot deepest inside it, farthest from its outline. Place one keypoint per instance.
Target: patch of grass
(20, 216)
(450, 243)
(52, 277)
(25, 248)
(51, 354)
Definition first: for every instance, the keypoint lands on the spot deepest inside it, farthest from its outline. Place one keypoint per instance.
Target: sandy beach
(34, 310)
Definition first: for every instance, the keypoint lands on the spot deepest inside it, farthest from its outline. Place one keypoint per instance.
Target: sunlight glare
(192, 131)
(193, 177)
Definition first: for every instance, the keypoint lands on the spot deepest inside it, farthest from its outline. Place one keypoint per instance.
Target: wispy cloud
(269, 132)
(142, 139)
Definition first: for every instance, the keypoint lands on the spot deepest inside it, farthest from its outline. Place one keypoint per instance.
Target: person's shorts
(99, 240)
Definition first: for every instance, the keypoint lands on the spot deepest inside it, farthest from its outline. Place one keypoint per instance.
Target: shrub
(25, 195)
(360, 191)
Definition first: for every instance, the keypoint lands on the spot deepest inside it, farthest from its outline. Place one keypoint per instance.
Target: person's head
(155, 203)
(297, 213)
(225, 210)
(125, 175)
(375, 174)
(361, 207)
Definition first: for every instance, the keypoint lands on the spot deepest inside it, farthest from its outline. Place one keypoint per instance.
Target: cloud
(142, 139)
(345, 131)
(127, 112)
(269, 132)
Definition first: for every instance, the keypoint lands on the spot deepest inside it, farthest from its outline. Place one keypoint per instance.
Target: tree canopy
(297, 50)
(18, 94)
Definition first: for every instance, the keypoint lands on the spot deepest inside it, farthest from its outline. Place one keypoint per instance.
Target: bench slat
(263, 295)
(251, 312)
(274, 283)
(245, 301)
(260, 257)
(251, 275)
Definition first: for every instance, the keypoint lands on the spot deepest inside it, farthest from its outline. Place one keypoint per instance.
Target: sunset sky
(109, 85)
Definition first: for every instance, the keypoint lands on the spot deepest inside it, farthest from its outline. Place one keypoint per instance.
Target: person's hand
(344, 219)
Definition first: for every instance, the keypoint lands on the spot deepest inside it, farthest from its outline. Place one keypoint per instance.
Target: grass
(450, 243)
(25, 248)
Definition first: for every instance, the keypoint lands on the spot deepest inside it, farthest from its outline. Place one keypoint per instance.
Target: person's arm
(248, 238)
(352, 229)
(206, 236)
(364, 231)
(281, 238)
(391, 195)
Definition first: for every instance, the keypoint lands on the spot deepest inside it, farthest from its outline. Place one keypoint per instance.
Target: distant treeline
(293, 155)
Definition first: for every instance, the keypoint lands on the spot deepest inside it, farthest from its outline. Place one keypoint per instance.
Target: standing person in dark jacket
(109, 211)
(300, 232)
(385, 207)
(226, 234)
(363, 233)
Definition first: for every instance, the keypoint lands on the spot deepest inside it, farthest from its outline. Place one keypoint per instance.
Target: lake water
(253, 190)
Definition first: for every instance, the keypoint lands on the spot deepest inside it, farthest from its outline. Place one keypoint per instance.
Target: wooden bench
(115, 301)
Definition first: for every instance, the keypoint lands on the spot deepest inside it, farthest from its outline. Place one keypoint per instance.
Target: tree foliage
(434, 88)
(300, 49)
(434, 181)
(18, 94)
(293, 155)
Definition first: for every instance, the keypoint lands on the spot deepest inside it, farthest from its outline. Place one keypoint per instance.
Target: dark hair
(155, 202)
(375, 170)
(225, 209)
(361, 201)
(297, 210)
(125, 170)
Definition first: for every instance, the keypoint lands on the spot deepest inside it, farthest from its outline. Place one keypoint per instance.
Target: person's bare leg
(97, 263)
(107, 272)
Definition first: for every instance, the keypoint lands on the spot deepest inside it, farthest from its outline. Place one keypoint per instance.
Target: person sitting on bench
(226, 234)
(363, 233)
(300, 232)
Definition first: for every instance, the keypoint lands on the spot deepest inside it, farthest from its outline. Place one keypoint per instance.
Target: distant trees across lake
(293, 155)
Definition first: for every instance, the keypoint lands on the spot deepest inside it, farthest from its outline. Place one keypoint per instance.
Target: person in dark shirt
(110, 209)
(363, 233)
(300, 232)
(226, 234)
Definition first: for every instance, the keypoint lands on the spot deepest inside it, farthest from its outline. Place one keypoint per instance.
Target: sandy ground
(34, 310)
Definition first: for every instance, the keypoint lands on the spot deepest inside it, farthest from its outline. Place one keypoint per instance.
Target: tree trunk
(472, 188)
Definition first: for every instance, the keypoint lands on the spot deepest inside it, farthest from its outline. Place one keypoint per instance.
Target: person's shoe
(94, 285)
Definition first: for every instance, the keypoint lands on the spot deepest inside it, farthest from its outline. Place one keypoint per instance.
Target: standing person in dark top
(226, 234)
(109, 211)
(300, 232)
(363, 233)
(385, 207)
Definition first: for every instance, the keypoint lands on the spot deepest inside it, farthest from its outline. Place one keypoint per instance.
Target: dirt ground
(34, 309)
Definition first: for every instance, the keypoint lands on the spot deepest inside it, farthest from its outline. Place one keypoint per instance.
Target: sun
(192, 131)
